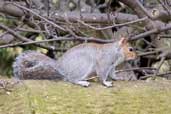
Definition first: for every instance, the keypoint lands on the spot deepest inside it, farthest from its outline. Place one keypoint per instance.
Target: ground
(50, 97)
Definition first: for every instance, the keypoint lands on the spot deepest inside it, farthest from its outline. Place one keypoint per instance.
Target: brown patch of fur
(129, 54)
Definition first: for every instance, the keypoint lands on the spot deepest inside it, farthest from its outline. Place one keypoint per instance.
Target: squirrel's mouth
(132, 58)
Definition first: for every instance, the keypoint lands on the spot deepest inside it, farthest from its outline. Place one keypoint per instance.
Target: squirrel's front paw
(107, 83)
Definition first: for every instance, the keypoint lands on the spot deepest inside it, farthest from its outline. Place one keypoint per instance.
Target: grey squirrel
(77, 64)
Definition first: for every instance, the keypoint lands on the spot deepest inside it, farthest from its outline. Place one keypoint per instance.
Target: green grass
(49, 97)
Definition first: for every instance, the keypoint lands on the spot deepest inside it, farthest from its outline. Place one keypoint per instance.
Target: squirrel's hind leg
(81, 80)
(82, 83)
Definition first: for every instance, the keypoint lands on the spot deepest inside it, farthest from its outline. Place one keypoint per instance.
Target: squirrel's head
(128, 51)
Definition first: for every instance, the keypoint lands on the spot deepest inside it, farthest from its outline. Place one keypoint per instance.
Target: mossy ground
(50, 97)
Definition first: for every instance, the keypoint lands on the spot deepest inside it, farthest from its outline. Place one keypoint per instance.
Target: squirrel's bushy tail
(35, 65)
(19, 64)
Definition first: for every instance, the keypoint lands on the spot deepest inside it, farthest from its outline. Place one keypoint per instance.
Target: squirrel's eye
(131, 49)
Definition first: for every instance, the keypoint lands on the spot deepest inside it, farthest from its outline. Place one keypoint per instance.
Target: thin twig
(159, 66)
(150, 32)
(116, 25)
(165, 36)
(22, 38)
(132, 69)
(30, 30)
(159, 75)
(41, 17)
(164, 6)
(152, 52)
(126, 70)
(56, 39)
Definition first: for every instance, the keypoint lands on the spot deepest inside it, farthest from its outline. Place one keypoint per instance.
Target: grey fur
(78, 64)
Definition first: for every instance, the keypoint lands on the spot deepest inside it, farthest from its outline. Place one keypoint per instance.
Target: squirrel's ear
(123, 41)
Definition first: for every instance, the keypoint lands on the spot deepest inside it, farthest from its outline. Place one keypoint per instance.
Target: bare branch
(22, 38)
(41, 17)
(153, 31)
(115, 25)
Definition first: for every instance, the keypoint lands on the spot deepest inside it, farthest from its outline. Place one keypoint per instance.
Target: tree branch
(22, 38)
